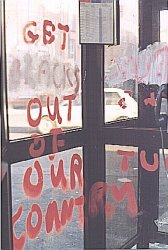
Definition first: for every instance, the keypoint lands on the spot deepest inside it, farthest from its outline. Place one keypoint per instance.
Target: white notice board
(97, 23)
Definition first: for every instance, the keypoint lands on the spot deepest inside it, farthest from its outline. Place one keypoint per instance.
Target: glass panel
(121, 200)
(48, 210)
(163, 26)
(163, 189)
(120, 66)
(164, 38)
(43, 62)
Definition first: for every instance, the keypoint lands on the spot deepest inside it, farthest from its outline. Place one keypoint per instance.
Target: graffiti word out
(34, 122)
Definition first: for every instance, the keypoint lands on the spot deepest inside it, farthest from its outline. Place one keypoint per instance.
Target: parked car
(118, 105)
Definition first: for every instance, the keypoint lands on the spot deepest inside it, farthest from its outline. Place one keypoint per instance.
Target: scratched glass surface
(121, 210)
(38, 213)
(127, 66)
(121, 92)
(164, 39)
(43, 62)
(163, 26)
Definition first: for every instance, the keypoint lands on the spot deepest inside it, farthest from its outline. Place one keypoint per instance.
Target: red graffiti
(30, 34)
(18, 243)
(59, 177)
(52, 215)
(149, 167)
(127, 190)
(122, 103)
(56, 110)
(151, 100)
(126, 154)
(65, 28)
(34, 122)
(76, 167)
(56, 143)
(48, 36)
(37, 140)
(98, 192)
(33, 231)
(56, 219)
(33, 190)
(79, 202)
(47, 33)
(96, 198)
(75, 173)
(70, 98)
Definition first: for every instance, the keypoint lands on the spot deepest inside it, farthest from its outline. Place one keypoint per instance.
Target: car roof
(110, 90)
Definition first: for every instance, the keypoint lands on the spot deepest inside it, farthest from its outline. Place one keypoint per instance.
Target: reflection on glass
(121, 174)
(120, 67)
(43, 62)
(119, 105)
(163, 189)
(47, 211)
(164, 26)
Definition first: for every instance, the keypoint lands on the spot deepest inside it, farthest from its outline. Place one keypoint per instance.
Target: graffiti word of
(48, 36)
(37, 147)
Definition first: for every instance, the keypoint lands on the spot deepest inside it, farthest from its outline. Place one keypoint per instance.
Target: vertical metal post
(94, 155)
(148, 181)
(6, 197)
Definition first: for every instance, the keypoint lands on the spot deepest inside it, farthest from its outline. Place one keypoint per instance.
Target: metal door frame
(92, 137)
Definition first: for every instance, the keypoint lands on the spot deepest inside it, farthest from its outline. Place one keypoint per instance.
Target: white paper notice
(96, 23)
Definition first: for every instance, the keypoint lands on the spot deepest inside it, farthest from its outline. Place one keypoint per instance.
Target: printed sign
(97, 22)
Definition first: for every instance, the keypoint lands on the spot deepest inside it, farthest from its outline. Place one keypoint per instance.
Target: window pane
(120, 66)
(164, 26)
(121, 213)
(163, 199)
(48, 211)
(43, 62)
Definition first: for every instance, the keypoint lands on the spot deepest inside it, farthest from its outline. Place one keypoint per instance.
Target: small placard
(97, 22)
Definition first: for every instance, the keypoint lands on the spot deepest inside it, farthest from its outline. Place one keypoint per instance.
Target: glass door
(42, 121)
(82, 131)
